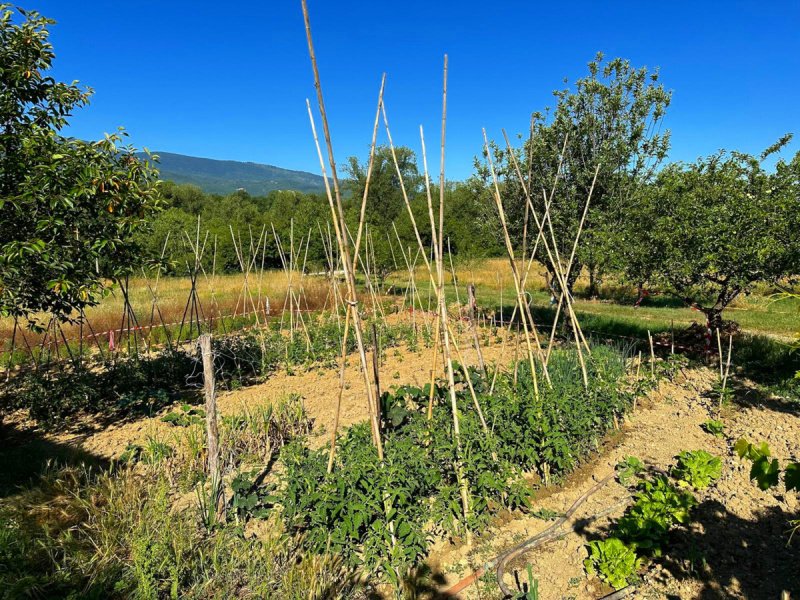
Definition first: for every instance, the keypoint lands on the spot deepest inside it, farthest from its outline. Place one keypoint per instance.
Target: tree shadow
(747, 396)
(25, 454)
(732, 556)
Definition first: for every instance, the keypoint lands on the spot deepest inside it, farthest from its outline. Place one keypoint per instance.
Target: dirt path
(734, 549)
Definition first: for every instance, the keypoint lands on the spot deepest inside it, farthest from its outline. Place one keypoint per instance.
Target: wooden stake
(337, 214)
(212, 427)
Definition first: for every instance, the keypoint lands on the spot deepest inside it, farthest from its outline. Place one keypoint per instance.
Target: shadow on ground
(25, 454)
(731, 556)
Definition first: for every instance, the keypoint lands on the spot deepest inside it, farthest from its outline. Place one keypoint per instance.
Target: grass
(223, 295)
(760, 312)
(222, 299)
(133, 530)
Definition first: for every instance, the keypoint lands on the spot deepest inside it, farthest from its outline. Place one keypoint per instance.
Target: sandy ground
(736, 548)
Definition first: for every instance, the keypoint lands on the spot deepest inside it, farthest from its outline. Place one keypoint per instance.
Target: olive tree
(68, 208)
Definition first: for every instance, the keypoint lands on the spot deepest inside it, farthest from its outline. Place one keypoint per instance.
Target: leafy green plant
(697, 468)
(659, 506)
(188, 415)
(765, 471)
(714, 427)
(629, 468)
(613, 561)
(672, 365)
(345, 511)
(250, 500)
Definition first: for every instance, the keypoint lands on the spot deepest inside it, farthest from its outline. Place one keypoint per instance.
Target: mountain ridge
(216, 176)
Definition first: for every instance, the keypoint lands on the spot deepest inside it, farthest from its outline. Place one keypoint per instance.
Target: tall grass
(219, 297)
(130, 532)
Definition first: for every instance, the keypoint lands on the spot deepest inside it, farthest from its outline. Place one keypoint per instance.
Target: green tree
(385, 205)
(707, 231)
(68, 209)
(611, 119)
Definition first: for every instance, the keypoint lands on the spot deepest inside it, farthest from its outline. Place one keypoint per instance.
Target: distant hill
(226, 176)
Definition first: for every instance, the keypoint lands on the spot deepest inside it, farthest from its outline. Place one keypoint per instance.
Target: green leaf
(791, 476)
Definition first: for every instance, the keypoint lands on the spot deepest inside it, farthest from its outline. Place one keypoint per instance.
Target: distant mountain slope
(226, 176)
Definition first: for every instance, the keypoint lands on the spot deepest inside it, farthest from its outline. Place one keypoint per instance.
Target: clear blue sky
(229, 80)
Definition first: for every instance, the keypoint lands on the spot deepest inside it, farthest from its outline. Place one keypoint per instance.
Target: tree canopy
(68, 208)
(610, 119)
(705, 232)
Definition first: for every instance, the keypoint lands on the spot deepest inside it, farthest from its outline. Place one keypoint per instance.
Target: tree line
(75, 216)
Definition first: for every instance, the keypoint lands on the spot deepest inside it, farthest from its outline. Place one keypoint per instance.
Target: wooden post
(652, 355)
(672, 336)
(472, 307)
(212, 429)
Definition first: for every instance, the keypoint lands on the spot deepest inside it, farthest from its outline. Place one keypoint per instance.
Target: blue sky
(229, 80)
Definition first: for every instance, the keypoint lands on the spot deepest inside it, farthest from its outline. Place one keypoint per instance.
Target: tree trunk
(594, 280)
(714, 313)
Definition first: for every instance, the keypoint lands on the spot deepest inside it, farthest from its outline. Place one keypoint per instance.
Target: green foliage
(345, 511)
(69, 209)
(126, 532)
(115, 535)
(628, 469)
(707, 231)
(250, 500)
(697, 468)
(188, 415)
(714, 427)
(610, 119)
(612, 561)
(127, 386)
(766, 471)
(146, 384)
(659, 506)
(532, 591)
(672, 365)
